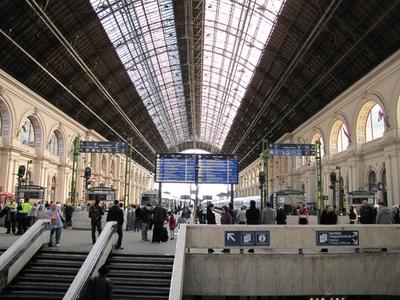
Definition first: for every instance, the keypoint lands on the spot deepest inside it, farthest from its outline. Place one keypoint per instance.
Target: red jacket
(172, 222)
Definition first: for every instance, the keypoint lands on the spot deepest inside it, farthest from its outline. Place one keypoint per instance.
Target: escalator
(137, 276)
(47, 275)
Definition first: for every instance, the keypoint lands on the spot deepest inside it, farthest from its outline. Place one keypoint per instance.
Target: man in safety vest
(22, 215)
(11, 215)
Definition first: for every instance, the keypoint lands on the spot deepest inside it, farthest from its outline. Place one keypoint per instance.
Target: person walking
(33, 214)
(241, 215)
(69, 211)
(115, 213)
(226, 219)
(383, 215)
(280, 216)
(11, 215)
(172, 225)
(56, 225)
(303, 215)
(252, 217)
(138, 219)
(95, 214)
(268, 215)
(366, 214)
(353, 215)
(210, 218)
(100, 287)
(159, 217)
(145, 216)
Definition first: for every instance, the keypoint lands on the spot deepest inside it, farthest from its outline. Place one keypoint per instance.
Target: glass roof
(143, 34)
(235, 33)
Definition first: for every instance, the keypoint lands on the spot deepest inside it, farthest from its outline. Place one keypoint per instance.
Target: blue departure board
(176, 167)
(214, 168)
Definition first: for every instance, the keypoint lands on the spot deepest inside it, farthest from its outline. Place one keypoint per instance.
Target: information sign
(247, 238)
(292, 149)
(337, 238)
(102, 147)
(222, 169)
(176, 167)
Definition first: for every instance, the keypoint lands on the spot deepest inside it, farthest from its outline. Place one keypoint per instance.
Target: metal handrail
(20, 245)
(90, 262)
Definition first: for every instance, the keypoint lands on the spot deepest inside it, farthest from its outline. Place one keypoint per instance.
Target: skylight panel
(242, 30)
(143, 34)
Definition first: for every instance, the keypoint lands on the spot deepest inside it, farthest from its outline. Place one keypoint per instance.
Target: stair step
(139, 274)
(134, 289)
(49, 277)
(144, 281)
(142, 259)
(56, 263)
(141, 266)
(31, 286)
(32, 294)
(62, 256)
(138, 297)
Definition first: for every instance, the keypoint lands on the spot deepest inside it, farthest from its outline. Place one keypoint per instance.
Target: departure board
(176, 167)
(214, 168)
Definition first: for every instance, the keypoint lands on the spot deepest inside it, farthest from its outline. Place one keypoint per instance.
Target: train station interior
(298, 99)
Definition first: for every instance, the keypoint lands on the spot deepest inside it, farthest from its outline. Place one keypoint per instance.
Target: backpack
(95, 213)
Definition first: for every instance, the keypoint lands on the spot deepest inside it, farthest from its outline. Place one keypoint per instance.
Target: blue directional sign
(337, 238)
(262, 238)
(220, 169)
(176, 167)
(247, 238)
(102, 147)
(292, 149)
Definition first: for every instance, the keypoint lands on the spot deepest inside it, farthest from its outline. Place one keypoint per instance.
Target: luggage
(164, 234)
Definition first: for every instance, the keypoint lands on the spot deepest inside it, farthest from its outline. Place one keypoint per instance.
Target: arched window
(27, 133)
(371, 180)
(54, 147)
(340, 137)
(343, 139)
(375, 125)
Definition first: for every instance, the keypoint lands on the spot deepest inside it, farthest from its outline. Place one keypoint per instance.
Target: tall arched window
(54, 147)
(27, 133)
(342, 139)
(375, 125)
(371, 180)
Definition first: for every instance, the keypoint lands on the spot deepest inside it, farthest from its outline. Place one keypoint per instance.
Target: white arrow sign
(355, 234)
(231, 236)
(354, 241)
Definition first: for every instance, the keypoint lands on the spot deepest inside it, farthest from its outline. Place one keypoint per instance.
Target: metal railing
(176, 287)
(16, 252)
(96, 256)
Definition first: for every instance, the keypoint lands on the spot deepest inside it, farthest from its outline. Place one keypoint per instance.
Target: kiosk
(356, 198)
(289, 200)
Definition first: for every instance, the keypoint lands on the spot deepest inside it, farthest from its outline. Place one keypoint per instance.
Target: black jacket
(145, 215)
(115, 213)
(253, 216)
(366, 215)
(138, 213)
(210, 217)
(159, 215)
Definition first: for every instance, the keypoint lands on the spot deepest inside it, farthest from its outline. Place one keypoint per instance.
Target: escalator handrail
(90, 262)
(19, 246)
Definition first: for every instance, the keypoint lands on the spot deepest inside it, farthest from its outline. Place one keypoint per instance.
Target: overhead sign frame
(292, 149)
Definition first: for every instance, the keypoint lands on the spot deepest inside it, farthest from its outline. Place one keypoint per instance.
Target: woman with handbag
(56, 223)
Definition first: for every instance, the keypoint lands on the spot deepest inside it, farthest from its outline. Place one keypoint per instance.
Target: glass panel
(343, 138)
(143, 34)
(53, 144)
(235, 35)
(375, 126)
(27, 133)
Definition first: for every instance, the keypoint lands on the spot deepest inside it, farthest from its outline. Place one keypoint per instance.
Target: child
(172, 225)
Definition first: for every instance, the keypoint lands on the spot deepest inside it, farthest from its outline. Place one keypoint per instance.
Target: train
(170, 202)
(288, 201)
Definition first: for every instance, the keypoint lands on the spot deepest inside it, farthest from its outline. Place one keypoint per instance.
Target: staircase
(47, 275)
(137, 276)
